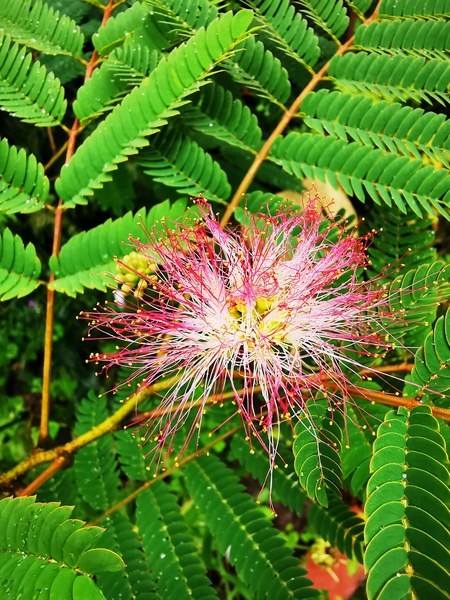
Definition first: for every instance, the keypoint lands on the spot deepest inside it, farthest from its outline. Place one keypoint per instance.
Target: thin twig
(164, 474)
(285, 120)
(50, 304)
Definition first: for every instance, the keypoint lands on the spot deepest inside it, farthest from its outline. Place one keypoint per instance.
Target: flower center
(262, 321)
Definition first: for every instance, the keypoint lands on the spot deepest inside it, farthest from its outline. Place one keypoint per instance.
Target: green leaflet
(396, 77)
(399, 240)
(383, 176)
(95, 466)
(37, 25)
(135, 22)
(416, 296)
(430, 377)
(131, 455)
(242, 530)
(23, 186)
(258, 69)
(27, 90)
(407, 509)
(136, 580)
(125, 68)
(215, 113)
(87, 260)
(330, 16)
(415, 8)
(143, 112)
(43, 551)
(183, 16)
(169, 547)
(284, 481)
(316, 449)
(402, 130)
(177, 161)
(288, 30)
(339, 525)
(420, 38)
(19, 267)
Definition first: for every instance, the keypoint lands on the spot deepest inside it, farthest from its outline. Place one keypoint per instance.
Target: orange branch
(285, 120)
(50, 304)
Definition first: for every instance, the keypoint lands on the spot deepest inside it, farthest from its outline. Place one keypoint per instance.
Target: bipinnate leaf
(406, 533)
(243, 531)
(169, 546)
(285, 485)
(23, 185)
(95, 467)
(148, 107)
(36, 24)
(88, 258)
(27, 90)
(135, 581)
(340, 526)
(19, 267)
(430, 377)
(44, 553)
(316, 449)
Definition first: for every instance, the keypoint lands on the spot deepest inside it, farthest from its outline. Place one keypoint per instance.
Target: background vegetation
(116, 114)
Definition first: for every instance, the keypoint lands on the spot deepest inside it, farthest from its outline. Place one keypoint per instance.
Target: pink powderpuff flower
(277, 309)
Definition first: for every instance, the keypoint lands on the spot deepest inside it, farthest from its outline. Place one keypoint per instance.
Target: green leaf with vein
(406, 531)
(19, 267)
(243, 531)
(143, 112)
(179, 162)
(361, 170)
(27, 90)
(88, 258)
(45, 553)
(37, 25)
(23, 185)
(169, 546)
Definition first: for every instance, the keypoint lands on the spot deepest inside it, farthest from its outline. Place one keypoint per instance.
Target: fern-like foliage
(400, 239)
(317, 453)
(134, 22)
(284, 481)
(95, 466)
(23, 185)
(19, 267)
(43, 552)
(339, 525)
(288, 30)
(183, 16)
(243, 531)
(37, 25)
(101, 245)
(256, 68)
(391, 127)
(415, 9)
(431, 372)
(392, 77)
(125, 68)
(407, 509)
(360, 169)
(215, 113)
(27, 90)
(177, 161)
(169, 547)
(130, 455)
(143, 113)
(422, 38)
(136, 580)
(331, 17)
(416, 296)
